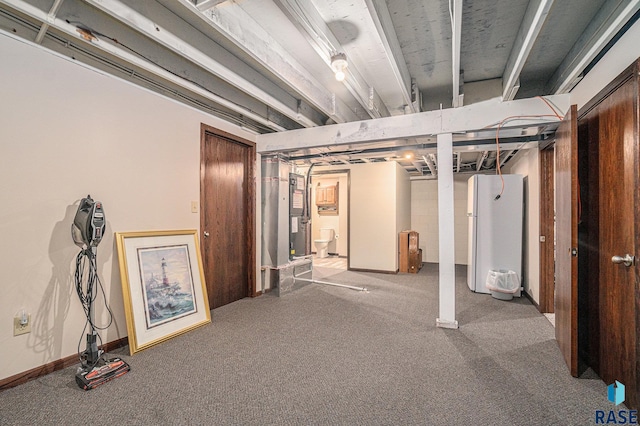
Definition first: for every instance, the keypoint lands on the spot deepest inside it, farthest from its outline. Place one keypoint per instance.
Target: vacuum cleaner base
(107, 370)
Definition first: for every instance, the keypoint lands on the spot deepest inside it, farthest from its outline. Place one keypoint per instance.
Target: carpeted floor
(328, 355)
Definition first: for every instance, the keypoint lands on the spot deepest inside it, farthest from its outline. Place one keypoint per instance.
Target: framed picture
(162, 285)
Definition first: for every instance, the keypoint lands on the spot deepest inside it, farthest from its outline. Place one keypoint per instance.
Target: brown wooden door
(618, 205)
(227, 216)
(566, 299)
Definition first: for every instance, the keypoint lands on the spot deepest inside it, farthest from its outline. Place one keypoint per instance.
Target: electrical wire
(552, 106)
(500, 124)
(87, 291)
(519, 117)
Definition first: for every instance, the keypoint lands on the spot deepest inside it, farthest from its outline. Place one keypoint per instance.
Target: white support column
(456, 41)
(447, 278)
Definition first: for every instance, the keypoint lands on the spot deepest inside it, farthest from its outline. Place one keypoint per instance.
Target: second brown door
(227, 217)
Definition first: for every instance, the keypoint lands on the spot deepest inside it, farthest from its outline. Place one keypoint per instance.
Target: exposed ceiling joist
(481, 159)
(426, 152)
(127, 56)
(382, 20)
(203, 5)
(534, 19)
(456, 40)
(604, 26)
(213, 55)
(482, 115)
(163, 36)
(307, 19)
(45, 25)
(505, 156)
(431, 163)
(247, 34)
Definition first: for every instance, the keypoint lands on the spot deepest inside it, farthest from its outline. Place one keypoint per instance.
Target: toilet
(322, 245)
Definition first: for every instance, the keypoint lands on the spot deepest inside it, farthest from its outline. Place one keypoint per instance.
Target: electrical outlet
(19, 328)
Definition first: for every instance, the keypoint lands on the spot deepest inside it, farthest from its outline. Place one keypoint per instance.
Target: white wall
(339, 222)
(424, 217)
(527, 164)
(619, 57)
(67, 131)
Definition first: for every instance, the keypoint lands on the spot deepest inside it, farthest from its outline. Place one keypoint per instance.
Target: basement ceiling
(265, 65)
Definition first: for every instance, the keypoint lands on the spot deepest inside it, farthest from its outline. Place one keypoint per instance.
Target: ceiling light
(339, 65)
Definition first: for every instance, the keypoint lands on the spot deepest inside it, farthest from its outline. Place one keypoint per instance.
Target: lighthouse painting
(167, 284)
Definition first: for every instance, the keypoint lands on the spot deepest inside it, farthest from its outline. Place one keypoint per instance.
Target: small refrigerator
(495, 227)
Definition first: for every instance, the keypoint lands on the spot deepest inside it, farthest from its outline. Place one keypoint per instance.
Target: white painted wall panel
(373, 220)
(67, 131)
(527, 163)
(424, 217)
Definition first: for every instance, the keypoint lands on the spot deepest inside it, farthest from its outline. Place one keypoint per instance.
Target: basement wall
(67, 131)
(527, 164)
(424, 217)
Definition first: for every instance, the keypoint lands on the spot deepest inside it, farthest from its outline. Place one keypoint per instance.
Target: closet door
(619, 214)
(227, 221)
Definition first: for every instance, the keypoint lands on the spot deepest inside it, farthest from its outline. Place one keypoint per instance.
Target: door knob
(628, 259)
(206, 234)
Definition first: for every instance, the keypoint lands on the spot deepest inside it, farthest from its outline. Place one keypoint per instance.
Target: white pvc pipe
(333, 284)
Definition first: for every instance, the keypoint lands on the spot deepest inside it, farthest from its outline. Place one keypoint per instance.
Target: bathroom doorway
(330, 218)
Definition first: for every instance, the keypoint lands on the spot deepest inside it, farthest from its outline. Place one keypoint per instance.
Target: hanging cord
(518, 117)
(498, 169)
(555, 111)
(87, 293)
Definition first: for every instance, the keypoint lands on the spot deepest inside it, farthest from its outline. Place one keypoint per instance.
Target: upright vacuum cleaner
(87, 231)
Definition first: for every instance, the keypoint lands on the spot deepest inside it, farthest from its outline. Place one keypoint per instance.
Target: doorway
(334, 218)
(227, 217)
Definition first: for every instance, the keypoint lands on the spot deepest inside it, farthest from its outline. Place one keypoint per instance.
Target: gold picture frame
(163, 285)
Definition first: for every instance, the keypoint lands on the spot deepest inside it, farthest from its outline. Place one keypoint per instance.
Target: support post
(447, 277)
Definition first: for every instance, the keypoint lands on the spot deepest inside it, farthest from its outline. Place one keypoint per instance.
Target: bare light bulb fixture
(339, 65)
